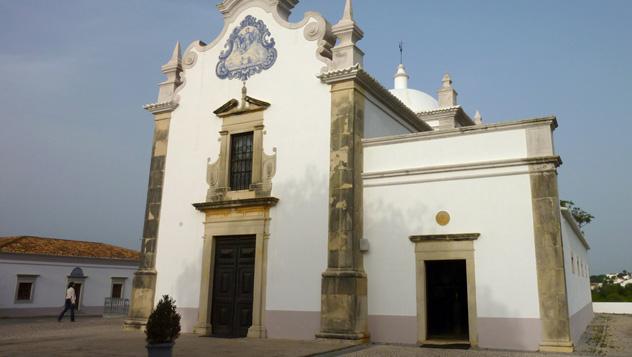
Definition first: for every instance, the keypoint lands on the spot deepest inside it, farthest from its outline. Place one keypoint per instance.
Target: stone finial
(446, 81)
(176, 56)
(478, 119)
(244, 94)
(172, 71)
(346, 54)
(348, 12)
(446, 94)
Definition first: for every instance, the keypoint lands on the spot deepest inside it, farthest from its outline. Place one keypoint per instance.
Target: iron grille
(240, 161)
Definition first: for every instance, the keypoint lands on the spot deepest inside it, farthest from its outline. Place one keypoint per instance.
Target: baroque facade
(291, 195)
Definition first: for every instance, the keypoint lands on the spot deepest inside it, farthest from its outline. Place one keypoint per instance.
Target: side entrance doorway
(446, 291)
(233, 285)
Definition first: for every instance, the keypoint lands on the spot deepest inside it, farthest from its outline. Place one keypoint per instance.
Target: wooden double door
(233, 284)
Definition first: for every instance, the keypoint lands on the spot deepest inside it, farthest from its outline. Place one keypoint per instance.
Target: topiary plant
(163, 325)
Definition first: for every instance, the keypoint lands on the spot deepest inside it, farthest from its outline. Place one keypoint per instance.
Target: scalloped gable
(283, 7)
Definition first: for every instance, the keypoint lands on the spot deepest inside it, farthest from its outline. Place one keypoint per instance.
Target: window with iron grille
(24, 288)
(240, 161)
(24, 291)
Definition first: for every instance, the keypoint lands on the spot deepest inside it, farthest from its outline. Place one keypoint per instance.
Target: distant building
(292, 195)
(35, 271)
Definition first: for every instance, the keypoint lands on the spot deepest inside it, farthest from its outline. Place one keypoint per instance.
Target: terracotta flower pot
(160, 349)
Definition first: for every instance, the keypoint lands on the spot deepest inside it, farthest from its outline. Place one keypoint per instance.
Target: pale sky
(75, 142)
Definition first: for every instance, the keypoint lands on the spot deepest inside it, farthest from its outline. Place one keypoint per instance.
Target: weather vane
(401, 52)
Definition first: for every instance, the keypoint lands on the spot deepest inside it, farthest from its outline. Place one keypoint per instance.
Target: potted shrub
(163, 327)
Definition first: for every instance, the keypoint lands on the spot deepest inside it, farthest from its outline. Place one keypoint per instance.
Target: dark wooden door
(446, 293)
(77, 287)
(233, 283)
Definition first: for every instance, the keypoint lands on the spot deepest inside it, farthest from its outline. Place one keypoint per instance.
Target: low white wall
(612, 307)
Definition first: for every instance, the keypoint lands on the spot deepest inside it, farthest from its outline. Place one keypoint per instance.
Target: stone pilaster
(550, 260)
(344, 283)
(144, 283)
(549, 253)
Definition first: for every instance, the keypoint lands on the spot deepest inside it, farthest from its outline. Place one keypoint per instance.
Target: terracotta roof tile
(65, 248)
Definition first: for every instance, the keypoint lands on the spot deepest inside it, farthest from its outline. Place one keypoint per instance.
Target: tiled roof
(65, 248)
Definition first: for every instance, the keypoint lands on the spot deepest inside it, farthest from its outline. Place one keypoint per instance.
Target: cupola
(416, 100)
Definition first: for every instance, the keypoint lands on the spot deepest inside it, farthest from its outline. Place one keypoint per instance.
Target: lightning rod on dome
(401, 52)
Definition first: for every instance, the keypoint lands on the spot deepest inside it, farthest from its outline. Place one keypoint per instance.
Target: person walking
(71, 299)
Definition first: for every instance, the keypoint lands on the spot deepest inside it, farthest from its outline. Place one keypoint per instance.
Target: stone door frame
(445, 247)
(249, 217)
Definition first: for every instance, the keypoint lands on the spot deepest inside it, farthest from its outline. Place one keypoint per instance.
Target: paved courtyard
(608, 335)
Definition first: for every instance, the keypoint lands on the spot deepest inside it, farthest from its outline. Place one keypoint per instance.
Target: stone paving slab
(105, 337)
(608, 335)
(411, 351)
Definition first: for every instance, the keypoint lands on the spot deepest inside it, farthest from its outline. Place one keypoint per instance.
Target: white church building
(291, 195)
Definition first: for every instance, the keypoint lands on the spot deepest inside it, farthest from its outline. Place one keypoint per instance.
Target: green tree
(163, 325)
(582, 217)
(598, 278)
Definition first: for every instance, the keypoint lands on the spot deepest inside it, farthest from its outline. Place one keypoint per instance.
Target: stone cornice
(249, 202)
(474, 129)
(377, 90)
(158, 108)
(439, 110)
(456, 112)
(555, 160)
(444, 237)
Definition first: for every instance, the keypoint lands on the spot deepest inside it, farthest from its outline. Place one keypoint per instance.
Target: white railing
(115, 306)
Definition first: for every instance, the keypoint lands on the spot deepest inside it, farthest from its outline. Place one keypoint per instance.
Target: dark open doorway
(77, 287)
(233, 283)
(446, 292)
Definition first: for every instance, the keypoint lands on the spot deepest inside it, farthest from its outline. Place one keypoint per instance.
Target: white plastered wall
(296, 125)
(495, 202)
(50, 285)
(379, 122)
(577, 274)
(576, 269)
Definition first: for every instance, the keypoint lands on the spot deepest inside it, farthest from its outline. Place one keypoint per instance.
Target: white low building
(291, 195)
(35, 272)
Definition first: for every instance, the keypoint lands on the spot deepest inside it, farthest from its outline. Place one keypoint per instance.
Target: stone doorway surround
(247, 217)
(445, 247)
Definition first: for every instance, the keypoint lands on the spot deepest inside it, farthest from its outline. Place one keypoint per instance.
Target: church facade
(291, 195)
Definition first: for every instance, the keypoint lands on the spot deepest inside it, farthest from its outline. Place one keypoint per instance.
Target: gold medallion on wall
(443, 218)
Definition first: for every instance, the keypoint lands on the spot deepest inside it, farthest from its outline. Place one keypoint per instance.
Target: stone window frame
(21, 279)
(434, 247)
(238, 120)
(118, 280)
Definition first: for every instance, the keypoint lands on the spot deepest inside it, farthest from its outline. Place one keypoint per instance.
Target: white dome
(417, 101)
